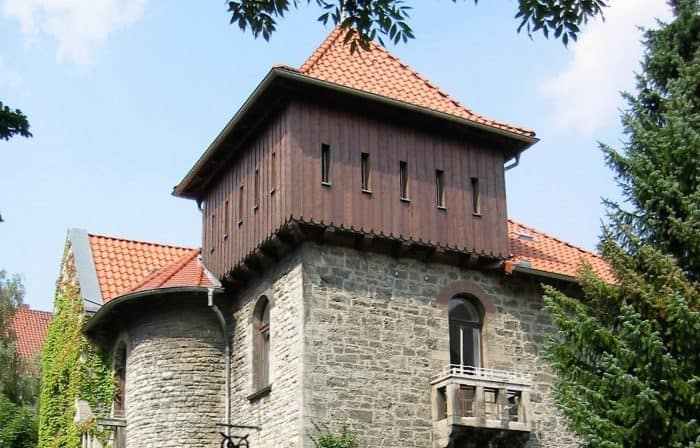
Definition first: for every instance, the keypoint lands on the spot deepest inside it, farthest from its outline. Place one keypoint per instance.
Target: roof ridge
(31, 310)
(320, 50)
(147, 243)
(168, 271)
(559, 240)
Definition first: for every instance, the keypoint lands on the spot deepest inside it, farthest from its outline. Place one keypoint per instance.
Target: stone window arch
(261, 344)
(469, 308)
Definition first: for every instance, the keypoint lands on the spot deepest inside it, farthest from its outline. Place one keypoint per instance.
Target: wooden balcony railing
(489, 402)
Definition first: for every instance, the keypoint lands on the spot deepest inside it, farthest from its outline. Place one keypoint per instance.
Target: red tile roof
(124, 264)
(379, 72)
(186, 271)
(536, 250)
(30, 327)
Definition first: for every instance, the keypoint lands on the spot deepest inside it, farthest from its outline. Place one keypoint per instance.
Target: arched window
(465, 332)
(120, 380)
(261, 344)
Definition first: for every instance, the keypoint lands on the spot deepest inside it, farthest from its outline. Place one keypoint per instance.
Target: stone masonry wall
(175, 378)
(374, 336)
(278, 413)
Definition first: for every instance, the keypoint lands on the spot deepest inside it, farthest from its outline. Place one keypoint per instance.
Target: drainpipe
(515, 163)
(227, 358)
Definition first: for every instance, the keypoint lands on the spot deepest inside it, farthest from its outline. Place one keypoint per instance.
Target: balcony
(112, 427)
(483, 405)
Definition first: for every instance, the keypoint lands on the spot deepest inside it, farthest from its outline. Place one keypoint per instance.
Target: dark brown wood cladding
(295, 137)
(249, 223)
(343, 204)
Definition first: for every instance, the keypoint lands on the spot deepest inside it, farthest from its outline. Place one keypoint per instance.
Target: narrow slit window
(364, 166)
(256, 188)
(240, 204)
(226, 218)
(213, 232)
(440, 188)
(403, 179)
(476, 196)
(325, 164)
(273, 171)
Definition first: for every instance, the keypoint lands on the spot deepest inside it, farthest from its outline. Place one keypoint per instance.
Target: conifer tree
(628, 355)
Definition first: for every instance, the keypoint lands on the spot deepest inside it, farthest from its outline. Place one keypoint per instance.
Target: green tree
(18, 391)
(628, 355)
(369, 19)
(13, 122)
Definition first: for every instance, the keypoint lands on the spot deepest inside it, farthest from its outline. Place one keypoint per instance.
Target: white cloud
(586, 94)
(78, 26)
(8, 77)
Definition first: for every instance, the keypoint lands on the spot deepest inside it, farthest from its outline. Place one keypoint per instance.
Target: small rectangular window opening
(440, 188)
(476, 196)
(273, 172)
(403, 178)
(240, 205)
(364, 168)
(213, 232)
(325, 164)
(226, 219)
(256, 190)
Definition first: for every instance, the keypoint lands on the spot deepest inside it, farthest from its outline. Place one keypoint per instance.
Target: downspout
(515, 163)
(227, 359)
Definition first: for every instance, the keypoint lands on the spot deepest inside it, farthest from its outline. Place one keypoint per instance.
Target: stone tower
(358, 268)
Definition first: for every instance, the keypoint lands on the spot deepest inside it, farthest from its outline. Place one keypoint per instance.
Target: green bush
(17, 425)
(328, 439)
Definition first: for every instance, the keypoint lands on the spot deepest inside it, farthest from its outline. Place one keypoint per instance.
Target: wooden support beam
(363, 241)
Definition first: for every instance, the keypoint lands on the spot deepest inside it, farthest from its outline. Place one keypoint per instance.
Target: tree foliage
(18, 390)
(71, 368)
(13, 122)
(659, 170)
(366, 20)
(628, 356)
(17, 424)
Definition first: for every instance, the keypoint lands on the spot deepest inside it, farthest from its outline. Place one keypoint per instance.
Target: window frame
(460, 324)
(403, 181)
(325, 164)
(365, 173)
(476, 196)
(440, 189)
(261, 371)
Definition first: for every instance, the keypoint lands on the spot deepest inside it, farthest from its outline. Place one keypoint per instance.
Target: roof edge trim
(181, 189)
(287, 73)
(85, 269)
(96, 318)
(546, 274)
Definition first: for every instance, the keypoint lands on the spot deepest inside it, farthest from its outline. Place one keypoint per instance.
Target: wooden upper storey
(307, 149)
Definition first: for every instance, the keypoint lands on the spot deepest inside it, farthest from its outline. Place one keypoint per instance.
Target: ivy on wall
(71, 368)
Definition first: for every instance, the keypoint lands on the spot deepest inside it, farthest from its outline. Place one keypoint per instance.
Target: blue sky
(124, 96)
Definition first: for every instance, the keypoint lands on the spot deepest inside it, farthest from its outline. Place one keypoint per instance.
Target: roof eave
(184, 188)
(525, 139)
(94, 321)
(545, 274)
